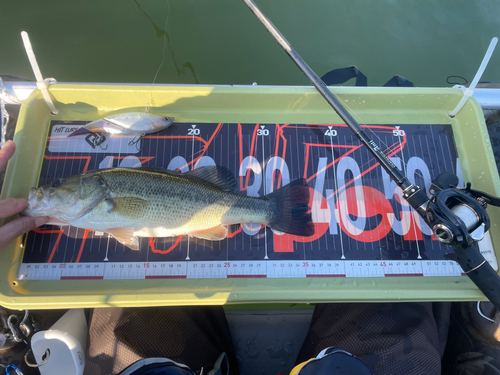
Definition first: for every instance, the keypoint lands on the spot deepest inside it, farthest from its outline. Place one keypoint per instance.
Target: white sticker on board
(59, 142)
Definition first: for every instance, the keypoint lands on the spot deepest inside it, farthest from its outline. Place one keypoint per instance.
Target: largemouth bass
(152, 202)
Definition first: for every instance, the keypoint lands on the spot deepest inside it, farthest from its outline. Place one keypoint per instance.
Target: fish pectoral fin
(125, 236)
(127, 205)
(213, 234)
(220, 177)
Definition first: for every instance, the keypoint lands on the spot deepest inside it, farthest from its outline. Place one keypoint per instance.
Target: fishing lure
(137, 124)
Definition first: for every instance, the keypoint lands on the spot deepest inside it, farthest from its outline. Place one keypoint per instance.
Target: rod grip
(480, 272)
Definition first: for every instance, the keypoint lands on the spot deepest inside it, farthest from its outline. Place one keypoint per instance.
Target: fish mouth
(36, 204)
(40, 203)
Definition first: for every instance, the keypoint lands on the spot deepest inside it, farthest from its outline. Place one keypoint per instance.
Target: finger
(17, 227)
(6, 153)
(12, 206)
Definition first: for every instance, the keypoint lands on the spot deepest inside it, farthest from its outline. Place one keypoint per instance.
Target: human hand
(12, 206)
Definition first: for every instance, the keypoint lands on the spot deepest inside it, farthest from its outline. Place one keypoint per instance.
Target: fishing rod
(456, 216)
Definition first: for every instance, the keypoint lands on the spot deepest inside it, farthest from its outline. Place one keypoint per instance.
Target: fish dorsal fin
(220, 177)
(217, 176)
(213, 234)
(127, 205)
(125, 236)
(157, 170)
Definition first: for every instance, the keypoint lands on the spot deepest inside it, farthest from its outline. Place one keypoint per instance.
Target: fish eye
(57, 183)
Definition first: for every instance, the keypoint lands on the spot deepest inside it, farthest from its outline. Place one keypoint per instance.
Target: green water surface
(221, 42)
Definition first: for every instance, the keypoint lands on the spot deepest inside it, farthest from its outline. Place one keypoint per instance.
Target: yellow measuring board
(368, 245)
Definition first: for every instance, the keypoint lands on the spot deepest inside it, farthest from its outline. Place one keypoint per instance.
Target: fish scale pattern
(174, 201)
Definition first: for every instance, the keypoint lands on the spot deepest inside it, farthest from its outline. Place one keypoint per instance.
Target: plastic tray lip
(253, 89)
(284, 87)
(21, 294)
(323, 290)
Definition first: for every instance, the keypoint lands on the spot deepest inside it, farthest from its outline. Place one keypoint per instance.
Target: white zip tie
(40, 83)
(470, 90)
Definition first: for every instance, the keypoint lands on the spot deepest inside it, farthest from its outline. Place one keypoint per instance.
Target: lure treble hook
(136, 140)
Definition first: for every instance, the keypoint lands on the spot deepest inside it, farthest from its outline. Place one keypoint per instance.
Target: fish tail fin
(291, 213)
